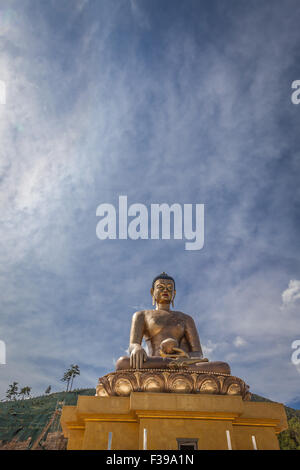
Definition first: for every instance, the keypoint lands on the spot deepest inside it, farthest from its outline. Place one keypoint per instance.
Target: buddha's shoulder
(139, 313)
(144, 313)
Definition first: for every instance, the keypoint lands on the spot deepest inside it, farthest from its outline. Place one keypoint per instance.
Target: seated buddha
(171, 336)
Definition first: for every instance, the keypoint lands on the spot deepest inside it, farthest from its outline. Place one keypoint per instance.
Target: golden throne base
(122, 383)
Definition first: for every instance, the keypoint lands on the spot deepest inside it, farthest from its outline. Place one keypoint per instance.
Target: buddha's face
(163, 291)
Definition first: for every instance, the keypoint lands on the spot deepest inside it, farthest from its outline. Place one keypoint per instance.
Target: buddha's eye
(162, 287)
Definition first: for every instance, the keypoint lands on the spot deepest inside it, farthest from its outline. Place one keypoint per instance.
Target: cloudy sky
(184, 102)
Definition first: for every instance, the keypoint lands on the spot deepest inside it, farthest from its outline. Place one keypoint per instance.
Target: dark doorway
(187, 444)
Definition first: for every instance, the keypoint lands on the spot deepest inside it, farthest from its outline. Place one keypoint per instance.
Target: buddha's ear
(152, 295)
(174, 294)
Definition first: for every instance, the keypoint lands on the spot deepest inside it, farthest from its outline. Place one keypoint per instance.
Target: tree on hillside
(69, 376)
(25, 391)
(12, 391)
(66, 378)
(74, 370)
(290, 438)
(48, 390)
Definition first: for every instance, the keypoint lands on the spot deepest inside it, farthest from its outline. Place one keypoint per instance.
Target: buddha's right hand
(137, 357)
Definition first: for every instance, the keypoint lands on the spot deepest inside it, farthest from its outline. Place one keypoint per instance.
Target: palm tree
(69, 376)
(12, 391)
(22, 392)
(74, 370)
(25, 391)
(66, 378)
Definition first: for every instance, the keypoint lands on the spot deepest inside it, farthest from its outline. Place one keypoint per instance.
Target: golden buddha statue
(174, 361)
(171, 336)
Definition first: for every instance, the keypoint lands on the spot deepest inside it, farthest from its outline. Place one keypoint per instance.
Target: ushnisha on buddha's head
(163, 291)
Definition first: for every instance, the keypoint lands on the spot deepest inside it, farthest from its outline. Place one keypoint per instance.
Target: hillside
(22, 422)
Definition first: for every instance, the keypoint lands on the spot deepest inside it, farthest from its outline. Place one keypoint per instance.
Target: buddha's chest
(168, 324)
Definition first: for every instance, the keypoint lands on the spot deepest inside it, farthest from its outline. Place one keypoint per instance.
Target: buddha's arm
(137, 353)
(192, 338)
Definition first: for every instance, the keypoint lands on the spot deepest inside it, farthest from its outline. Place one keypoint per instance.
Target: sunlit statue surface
(171, 336)
(174, 361)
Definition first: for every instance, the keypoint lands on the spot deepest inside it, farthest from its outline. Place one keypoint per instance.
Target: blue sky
(176, 102)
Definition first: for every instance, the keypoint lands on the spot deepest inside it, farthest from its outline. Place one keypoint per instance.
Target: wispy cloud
(291, 295)
(139, 14)
(191, 106)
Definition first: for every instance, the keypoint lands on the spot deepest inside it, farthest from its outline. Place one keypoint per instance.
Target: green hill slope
(24, 419)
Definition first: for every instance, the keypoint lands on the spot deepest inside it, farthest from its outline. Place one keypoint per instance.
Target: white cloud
(208, 348)
(291, 296)
(239, 342)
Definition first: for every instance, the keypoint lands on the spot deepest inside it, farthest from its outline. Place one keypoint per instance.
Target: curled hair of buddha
(163, 276)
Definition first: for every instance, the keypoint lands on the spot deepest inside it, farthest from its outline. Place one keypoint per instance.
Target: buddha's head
(163, 289)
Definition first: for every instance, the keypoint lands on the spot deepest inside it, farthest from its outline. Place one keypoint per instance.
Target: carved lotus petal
(123, 387)
(209, 386)
(234, 389)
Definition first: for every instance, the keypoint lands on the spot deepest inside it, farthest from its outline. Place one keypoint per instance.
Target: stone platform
(122, 383)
